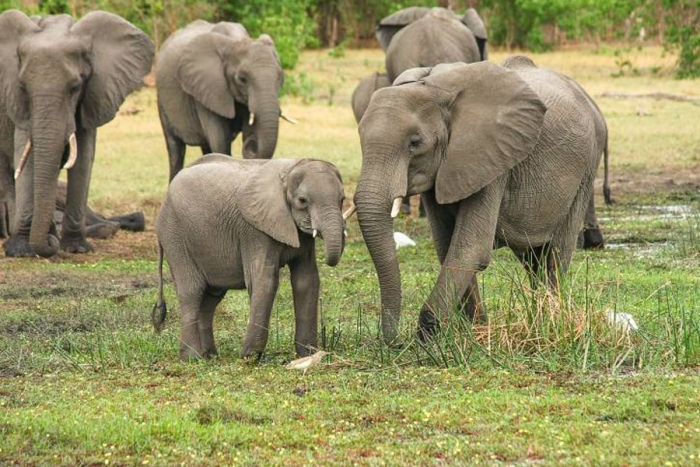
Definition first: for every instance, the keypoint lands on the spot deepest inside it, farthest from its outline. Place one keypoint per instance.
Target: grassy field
(85, 381)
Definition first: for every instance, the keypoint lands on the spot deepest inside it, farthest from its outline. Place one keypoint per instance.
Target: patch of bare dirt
(650, 182)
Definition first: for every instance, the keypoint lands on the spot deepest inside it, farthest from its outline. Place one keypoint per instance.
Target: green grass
(85, 381)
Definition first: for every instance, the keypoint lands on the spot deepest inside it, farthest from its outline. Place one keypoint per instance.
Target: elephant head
(59, 76)
(452, 129)
(216, 64)
(284, 196)
(392, 24)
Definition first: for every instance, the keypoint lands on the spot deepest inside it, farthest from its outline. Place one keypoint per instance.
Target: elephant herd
(500, 154)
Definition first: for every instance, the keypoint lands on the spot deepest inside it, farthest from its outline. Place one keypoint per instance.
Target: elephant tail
(606, 170)
(160, 309)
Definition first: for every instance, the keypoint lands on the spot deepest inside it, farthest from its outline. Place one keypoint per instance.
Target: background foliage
(536, 25)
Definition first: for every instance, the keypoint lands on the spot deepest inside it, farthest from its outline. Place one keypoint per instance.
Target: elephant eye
(241, 79)
(302, 201)
(415, 142)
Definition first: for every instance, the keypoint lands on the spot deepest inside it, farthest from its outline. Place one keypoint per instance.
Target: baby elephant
(232, 224)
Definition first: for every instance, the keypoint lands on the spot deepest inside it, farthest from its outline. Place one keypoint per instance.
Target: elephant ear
(121, 55)
(202, 72)
(496, 119)
(13, 25)
(392, 24)
(473, 21)
(412, 75)
(263, 201)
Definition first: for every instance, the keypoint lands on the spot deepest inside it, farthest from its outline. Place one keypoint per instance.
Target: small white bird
(402, 240)
(304, 363)
(624, 321)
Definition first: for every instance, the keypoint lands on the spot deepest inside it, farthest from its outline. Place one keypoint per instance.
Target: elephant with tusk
(60, 80)
(214, 81)
(232, 224)
(482, 144)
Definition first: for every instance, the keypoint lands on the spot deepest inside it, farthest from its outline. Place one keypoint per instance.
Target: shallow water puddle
(649, 212)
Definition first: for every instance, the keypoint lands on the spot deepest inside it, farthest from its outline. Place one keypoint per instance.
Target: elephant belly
(181, 116)
(222, 267)
(535, 205)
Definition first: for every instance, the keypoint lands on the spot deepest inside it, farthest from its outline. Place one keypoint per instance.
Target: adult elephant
(419, 37)
(60, 80)
(482, 144)
(214, 82)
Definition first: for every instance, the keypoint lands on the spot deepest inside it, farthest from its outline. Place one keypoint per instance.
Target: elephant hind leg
(565, 236)
(536, 261)
(191, 289)
(592, 235)
(210, 300)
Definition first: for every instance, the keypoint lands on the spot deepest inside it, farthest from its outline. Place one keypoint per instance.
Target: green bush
(288, 22)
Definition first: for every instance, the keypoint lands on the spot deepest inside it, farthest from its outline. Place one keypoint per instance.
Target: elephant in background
(232, 224)
(96, 225)
(60, 80)
(482, 145)
(214, 82)
(420, 37)
(363, 92)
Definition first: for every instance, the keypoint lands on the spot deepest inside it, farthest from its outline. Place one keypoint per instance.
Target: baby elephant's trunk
(160, 309)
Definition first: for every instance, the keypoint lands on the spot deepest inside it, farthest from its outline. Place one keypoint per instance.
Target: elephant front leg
(456, 289)
(262, 288)
(73, 236)
(18, 243)
(305, 288)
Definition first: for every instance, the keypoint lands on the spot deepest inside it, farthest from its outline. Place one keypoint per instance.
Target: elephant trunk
(373, 201)
(332, 228)
(264, 104)
(49, 142)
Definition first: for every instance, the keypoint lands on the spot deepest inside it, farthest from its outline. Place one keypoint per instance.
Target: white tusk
(23, 160)
(315, 232)
(345, 232)
(251, 119)
(73, 154)
(396, 207)
(290, 120)
(349, 212)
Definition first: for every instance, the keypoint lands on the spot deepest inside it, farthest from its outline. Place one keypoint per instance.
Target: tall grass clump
(567, 330)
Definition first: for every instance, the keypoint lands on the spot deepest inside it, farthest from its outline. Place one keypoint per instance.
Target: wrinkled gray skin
(482, 144)
(210, 77)
(232, 224)
(363, 92)
(60, 77)
(420, 37)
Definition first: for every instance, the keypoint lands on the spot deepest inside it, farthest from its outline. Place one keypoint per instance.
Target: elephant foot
(18, 247)
(427, 326)
(76, 245)
(593, 239)
(102, 230)
(189, 354)
(250, 353)
(134, 222)
(211, 352)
